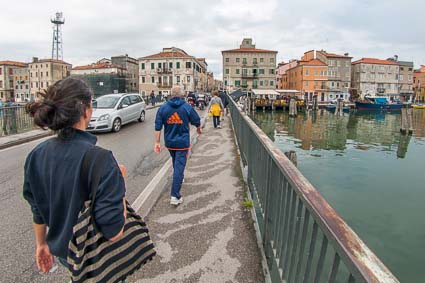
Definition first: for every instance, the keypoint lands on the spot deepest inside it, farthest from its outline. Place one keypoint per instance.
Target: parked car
(112, 111)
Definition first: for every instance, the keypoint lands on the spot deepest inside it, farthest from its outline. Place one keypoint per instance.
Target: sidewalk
(210, 237)
(12, 140)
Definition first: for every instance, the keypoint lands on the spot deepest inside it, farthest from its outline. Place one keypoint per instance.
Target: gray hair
(176, 91)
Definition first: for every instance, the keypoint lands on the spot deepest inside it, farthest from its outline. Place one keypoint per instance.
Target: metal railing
(14, 120)
(304, 238)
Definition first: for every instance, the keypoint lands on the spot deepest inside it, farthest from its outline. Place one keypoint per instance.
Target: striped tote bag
(91, 257)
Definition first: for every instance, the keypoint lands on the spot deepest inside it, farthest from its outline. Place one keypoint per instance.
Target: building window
(238, 83)
(1, 71)
(225, 82)
(401, 77)
(160, 65)
(237, 61)
(47, 84)
(227, 60)
(152, 66)
(244, 83)
(254, 60)
(170, 65)
(188, 65)
(243, 60)
(271, 60)
(238, 71)
(271, 71)
(261, 71)
(143, 80)
(178, 65)
(261, 83)
(188, 79)
(227, 71)
(153, 80)
(261, 60)
(178, 79)
(142, 66)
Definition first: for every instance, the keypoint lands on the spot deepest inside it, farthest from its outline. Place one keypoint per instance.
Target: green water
(371, 174)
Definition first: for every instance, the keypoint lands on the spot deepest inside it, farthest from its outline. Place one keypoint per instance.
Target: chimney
(346, 54)
(34, 59)
(396, 58)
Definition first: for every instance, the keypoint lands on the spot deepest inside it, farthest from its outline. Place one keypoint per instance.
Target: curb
(148, 198)
(26, 139)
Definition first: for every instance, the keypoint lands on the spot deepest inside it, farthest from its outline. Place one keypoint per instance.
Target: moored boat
(378, 103)
(418, 106)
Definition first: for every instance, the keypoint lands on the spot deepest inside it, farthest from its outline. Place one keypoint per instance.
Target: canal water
(371, 174)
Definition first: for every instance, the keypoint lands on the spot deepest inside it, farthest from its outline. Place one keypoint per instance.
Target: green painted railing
(304, 238)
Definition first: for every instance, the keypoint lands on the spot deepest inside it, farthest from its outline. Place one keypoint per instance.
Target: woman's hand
(43, 258)
(123, 170)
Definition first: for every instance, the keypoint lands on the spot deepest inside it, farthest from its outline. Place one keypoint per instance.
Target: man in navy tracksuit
(176, 116)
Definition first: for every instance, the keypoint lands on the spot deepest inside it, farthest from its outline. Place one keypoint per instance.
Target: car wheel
(142, 117)
(116, 125)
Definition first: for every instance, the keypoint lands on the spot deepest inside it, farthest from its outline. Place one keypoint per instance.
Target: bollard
(292, 107)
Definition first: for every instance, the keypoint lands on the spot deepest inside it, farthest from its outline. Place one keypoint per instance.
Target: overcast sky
(102, 28)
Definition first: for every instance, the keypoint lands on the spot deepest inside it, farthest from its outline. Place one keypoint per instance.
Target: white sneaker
(176, 201)
(219, 126)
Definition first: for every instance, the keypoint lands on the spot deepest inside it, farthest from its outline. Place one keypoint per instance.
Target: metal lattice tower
(57, 44)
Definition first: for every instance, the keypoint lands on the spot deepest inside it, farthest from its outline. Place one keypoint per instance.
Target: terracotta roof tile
(13, 63)
(249, 50)
(374, 61)
(333, 55)
(176, 54)
(98, 66)
(314, 62)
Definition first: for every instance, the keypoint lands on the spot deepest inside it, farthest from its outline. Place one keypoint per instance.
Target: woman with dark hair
(52, 181)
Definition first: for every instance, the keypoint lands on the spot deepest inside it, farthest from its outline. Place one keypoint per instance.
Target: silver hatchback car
(111, 111)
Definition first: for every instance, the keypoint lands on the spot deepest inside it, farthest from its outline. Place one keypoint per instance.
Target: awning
(265, 92)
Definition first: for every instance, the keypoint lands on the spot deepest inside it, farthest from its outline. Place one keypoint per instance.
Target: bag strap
(96, 156)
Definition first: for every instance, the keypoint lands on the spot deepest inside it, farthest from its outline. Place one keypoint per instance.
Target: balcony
(249, 76)
(163, 85)
(164, 71)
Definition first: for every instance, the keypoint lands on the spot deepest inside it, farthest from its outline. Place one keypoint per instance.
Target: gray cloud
(101, 28)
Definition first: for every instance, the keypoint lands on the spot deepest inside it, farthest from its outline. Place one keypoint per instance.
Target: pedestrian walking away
(152, 97)
(62, 176)
(216, 109)
(224, 99)
(176, 116)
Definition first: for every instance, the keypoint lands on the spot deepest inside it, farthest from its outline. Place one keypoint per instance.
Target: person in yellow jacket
(216, 109)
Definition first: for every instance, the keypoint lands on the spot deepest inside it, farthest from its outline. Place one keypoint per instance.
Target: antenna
(57, 44)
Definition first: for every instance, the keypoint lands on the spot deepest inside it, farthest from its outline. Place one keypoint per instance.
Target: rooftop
(252, 50)
(314, 62)
(374, 61)
(172, 52)
(13, 63)
(98, 66)
(333, 55)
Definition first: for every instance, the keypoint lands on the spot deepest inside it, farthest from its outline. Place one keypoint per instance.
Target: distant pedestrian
(176, 116)
(54, 183)
(216, 109)
(152, 97)
(225, 101)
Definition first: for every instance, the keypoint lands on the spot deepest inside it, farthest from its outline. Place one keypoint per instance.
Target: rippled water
(370, 173)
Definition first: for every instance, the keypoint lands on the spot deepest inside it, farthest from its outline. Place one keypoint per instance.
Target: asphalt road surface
(132, 146)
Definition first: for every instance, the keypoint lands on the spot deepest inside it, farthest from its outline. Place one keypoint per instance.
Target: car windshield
(105, 102)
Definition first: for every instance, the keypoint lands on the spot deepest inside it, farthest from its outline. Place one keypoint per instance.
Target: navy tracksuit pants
(179, 158)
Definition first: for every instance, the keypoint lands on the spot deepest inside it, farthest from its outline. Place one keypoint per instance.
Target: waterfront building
(132, 75)
(309, 77)
(172, 66)
(339, 74)
(103, 78)
(419, 84)
(7, 83)
(44, 73)
(281, 73)
(21, 84)
(203, 77)
(248, 67)
(370, 76)
(405, 79)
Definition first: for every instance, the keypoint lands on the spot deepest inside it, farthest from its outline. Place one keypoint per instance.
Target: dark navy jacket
(176, 115)
(52, 188)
